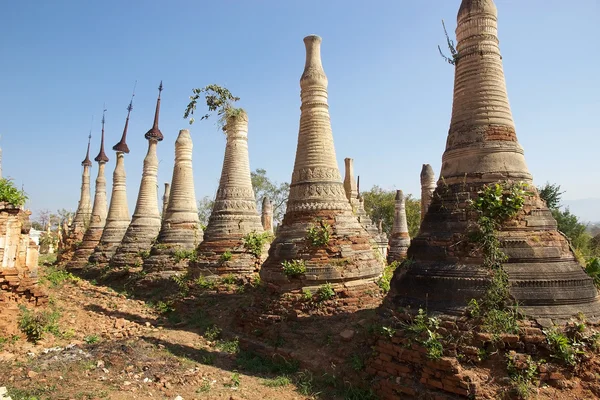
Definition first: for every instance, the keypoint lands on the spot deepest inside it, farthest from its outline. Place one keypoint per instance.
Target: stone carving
(180, 228)
(399, 237)
(317, 197)
(427, 188)
(267, 215)
(146, 221)
(482, 148)
(234, 213)
(94, 231)
(118, 218)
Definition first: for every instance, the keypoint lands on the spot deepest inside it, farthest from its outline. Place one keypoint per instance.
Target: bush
(254, 242)
(326, 292)
(388, 272)
(293, 268)
(10, 194)
(226, 256)
(318, 235)
(57, 277)
(592, 268)
(35, 323)
(182, 254)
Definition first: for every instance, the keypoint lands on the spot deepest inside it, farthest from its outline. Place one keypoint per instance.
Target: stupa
(165, 200)
(145, 222)
(317, 200)
(118, 218)
(482, 148)
(266, 217)
(427, 187)
(98, 219)
(180, 230)
(234, 214)
(84, 208)
(399, 236)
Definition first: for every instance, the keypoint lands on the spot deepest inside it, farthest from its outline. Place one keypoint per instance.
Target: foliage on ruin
(319, 236)
(388, 272)
(254, 242)
(423, 329)
(293, 268)
(325, 292)
(226, 256)
(495, 204)
(185, 254)
(592, 268)
(379, 204)
(453, 59)
(522, 374)
(218, 99)
(10, 194)
(34, 324)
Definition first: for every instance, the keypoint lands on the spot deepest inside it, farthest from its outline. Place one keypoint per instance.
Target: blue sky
(390, 93)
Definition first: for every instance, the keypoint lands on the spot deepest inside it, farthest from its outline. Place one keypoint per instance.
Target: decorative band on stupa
(145, 222)
(117, 219)
(319, 230)
(234, 214)
(180, 231)
(98, 219)
(482, 149)
(399, 236)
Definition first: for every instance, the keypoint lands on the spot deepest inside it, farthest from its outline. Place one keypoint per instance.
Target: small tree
(450, 43)
(218, 99)
(10, 194)
(277, 192)
(551, 194)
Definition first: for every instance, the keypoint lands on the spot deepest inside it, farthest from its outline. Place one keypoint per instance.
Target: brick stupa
(180, 228)
(399, 236)
(317, 199)
(146, 221)
(234, 214)
(482, 148)
(98, 219)
(427, 187)
(118, 218)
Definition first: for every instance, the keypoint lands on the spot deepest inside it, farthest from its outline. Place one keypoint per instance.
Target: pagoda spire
(87, 162)
(122, 145)
(154, 132)
(102, 157)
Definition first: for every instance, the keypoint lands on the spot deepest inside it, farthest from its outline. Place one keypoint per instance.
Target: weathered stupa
(180, 229)
(94, 231)
(482, 148)
(145, 222)
(399, 237)
(266, 217)
(319, 229)
(118, 218)
(427, 187)
(234, 213)
(165, 198)
(84, 208)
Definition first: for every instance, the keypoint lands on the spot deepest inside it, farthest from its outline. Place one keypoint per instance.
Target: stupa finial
(102, 157)
(87, 162)
(122, 145)
(155, 133)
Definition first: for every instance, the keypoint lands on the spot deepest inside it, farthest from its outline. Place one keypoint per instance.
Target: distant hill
(588, 210)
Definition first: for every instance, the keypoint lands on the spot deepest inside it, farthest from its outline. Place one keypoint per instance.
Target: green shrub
(143, 254)
(213, 332)
(424, 330)
(205, 283)
(229, 279)
(182, 254)
(562, 347)
(226, 256)
(35, 323)
(10, 194)
(388, 272)
(91, 339)
(325, 292)
(254, 242)
(293, 268)
(592, 268)
(318, 236)
(56, 277)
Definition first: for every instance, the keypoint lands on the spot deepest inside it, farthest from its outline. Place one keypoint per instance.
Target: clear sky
(390, 93)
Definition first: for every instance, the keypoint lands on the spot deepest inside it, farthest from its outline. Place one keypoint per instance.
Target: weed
(307, 294)
(304, 383)
(279, 381)
(254, 242)
(10, 194)
(164, 307)
(182, 282)
(208, 359)
(35, 323)
(325, 292)
(592, 268)
(424, 330)
(183, 254)
(143, 254)
(562, 347)
(212, 333)
(293, 268)
(257, 364)
(229, 279)
(229, 346)
(205, 283)
(204, 388)
(521, 376)
(226, 256)
(56, 277)
(318, 236)
(357, 362)
(91, 339)
(388, 272)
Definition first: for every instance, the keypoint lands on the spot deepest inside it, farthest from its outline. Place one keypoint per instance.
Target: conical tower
(482, 148)
(234, 213)
(317, 206)
(118, 218)
(427, 187)
(98, 219)
(266, 217)
(84, 209)
(399, 237)
(145, 222)
(180, 229)
(165, 198)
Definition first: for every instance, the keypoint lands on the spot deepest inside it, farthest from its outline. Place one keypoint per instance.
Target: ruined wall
(19, 261)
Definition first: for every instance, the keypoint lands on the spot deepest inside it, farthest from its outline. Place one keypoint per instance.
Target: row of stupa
(445, 271)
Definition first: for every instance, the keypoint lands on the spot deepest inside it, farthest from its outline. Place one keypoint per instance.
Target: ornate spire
(87, 162)
(101, 157)
(122, 145)
(155, 133)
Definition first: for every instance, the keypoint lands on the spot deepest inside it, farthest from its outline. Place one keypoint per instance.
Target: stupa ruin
(399, 236)
(117, 219)
(234, 213)
(319, 229)
(482, 148)
(266, 218)
(146, 221)
(98, 219)
(427, 187)
(84, 208)
(165, 199)
(180, 229)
